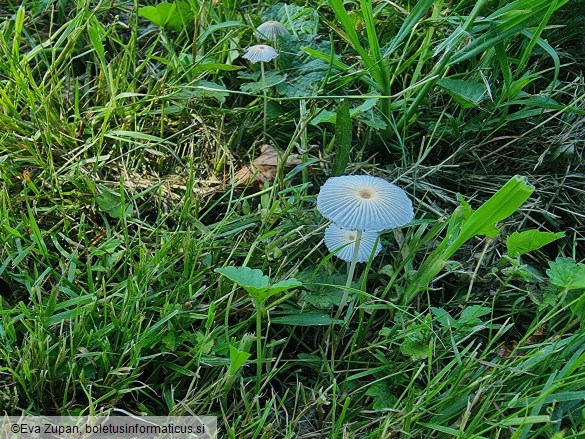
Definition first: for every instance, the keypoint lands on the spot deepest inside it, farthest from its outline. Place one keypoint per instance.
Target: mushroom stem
(350, 272)
(265, 98)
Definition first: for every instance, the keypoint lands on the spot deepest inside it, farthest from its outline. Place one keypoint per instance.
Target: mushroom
(367, 205)
(261, 53)
(271, 30)
(342, 242)
(363, 202)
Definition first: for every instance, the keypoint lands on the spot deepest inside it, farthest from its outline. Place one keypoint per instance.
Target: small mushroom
(260, 53)
(271, 30)
(343, 241)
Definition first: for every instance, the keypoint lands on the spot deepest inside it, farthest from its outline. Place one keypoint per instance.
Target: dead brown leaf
(263, 168)
(506, 349)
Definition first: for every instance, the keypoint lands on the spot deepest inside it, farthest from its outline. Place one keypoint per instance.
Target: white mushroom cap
(260, 53)
(271, 30)
(336, 238)
(363, 202)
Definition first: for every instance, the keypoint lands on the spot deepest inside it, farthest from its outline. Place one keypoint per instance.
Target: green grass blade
(343, 132)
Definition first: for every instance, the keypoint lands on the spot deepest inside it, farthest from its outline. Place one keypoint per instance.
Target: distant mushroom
(261, 53)
(271, 30)
(343, 241)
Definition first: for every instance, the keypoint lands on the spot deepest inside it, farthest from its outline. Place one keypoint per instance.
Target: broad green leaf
(158, 14)
(343, 132)
(383, 396)
(305, 73)
(416, 338)
(330, 117)
(500, 206)
(324, 299)
(465, 92)
(471, 315)
(301, 19)
(284, 285)
(491, 231)
(111, 203)
(176, 16)
(304, 319)
(444, 318)
(208, 89)
(237, 359)
(252, 280)
(256, 283)
(519, 243)
(415, 349)
(271, 79)
(566, 273)
(324, 290)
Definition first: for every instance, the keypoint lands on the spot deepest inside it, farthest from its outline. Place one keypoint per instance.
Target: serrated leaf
(519, 243)
(566, 273)
(303, 19)
(305, 73)
(325, 298)
(415, 349)
(111, 203)
(382, 394)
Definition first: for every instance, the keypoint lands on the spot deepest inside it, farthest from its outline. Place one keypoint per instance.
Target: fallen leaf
(506, 349)
(263, 168)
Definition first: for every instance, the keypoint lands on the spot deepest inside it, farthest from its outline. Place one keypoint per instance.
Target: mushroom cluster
(360, 207)
(263, 53)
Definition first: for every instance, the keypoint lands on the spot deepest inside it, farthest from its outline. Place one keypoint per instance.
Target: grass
(119, 142)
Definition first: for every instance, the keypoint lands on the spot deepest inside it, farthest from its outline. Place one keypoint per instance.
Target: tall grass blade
(343, 131)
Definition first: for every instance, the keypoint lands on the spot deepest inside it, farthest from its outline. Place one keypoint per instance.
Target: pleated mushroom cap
(363, 202)
(336, 238)
(271, 30)
(260, 53)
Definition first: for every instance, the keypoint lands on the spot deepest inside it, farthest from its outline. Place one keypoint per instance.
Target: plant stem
(259, 353)
(350, 272)
(265, 99)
